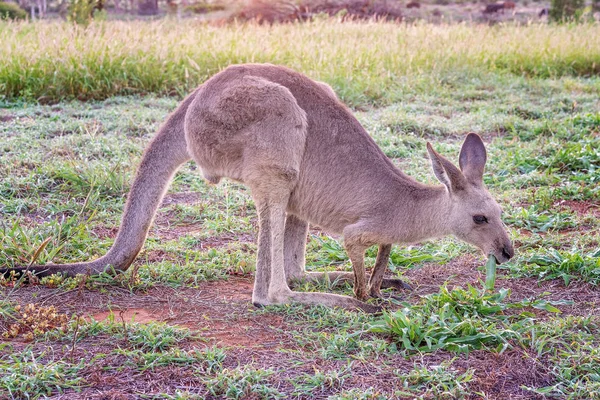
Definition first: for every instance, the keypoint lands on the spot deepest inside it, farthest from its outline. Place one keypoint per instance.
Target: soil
(581, 208)
(220, 313)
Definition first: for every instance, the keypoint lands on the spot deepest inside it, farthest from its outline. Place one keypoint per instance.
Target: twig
(56, 295)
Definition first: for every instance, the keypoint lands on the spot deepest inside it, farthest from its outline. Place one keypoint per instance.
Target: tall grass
(365, 62)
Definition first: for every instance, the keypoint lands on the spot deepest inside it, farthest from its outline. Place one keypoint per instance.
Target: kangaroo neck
(420, 212)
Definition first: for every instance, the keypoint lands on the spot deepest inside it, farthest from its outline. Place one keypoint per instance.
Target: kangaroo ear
(445, 171)
(472, 158)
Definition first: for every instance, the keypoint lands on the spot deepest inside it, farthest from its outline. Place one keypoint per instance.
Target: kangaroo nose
(508, 252)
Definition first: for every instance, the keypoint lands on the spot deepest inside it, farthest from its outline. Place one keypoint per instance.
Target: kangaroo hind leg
(296, 231)
(271, 187)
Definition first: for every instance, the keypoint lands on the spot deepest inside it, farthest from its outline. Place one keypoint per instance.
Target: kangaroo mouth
(504, 254)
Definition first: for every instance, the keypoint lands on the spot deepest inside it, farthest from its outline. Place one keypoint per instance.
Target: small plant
(10, 279)
(437, 381)
(579, 158)
(459, 320)
(309, 384)
(54, 281)
(576, 373)
(11, 11)
(243, 383)
(565, 265)
(207, 361)
(34, 320)
(359, 394)
(533, 219)
(146, 337)
(419, 331)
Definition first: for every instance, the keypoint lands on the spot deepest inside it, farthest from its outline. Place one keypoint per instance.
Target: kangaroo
(305, 159)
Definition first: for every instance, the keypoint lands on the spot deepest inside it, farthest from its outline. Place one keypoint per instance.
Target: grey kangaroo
(306, 159)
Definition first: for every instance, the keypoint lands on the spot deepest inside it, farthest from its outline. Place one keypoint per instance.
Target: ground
(180, 323)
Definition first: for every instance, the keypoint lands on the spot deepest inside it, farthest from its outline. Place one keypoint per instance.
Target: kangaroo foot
(395, 283)
(316, 298)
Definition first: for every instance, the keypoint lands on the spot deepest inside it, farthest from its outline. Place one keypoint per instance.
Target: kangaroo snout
(505, 253)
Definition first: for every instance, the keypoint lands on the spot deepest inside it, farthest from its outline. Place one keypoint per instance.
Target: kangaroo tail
(162, 158)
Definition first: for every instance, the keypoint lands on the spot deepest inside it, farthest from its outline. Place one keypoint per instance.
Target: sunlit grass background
(366, 62)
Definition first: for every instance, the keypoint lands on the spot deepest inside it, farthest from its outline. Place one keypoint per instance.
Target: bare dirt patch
(139, 315)
(461, 271)
(581, 208)
(105, 232)
(499, 374)
(221, 312)
(219, 241)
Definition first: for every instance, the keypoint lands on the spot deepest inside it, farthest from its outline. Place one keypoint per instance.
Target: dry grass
(366, 62)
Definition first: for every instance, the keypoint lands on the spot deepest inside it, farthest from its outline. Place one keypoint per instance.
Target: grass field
(179, 324)
(365, 62)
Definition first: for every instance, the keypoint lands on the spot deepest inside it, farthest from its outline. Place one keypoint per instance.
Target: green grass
(66, 169)
(147, 337)
(319, 381)
(551, 263)
(376, 63)
(242, 383)
(31, 375)
(459, 321)
(208, 361)
(576, 372)
(439, 381)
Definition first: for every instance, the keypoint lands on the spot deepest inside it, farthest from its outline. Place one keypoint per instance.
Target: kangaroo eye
(479, 219)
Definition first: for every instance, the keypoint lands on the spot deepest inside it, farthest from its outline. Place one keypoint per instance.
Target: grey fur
(305, 159)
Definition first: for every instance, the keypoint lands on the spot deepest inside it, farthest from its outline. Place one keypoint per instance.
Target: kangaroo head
(475, 217)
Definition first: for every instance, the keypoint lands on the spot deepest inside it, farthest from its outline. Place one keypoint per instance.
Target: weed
(207, 361)
(571, 345)
(539, 221)
(561, 264)
(242, 383)
(146, 337)
(35, 320)
(459, 320)
(26, 375)
(359, 394)
(437, 381)
(309, 384)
